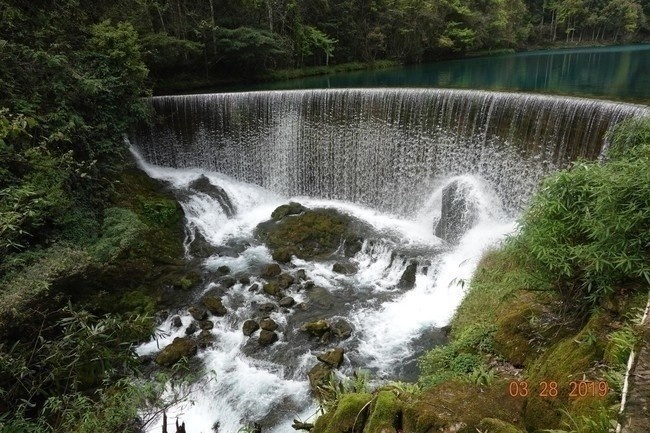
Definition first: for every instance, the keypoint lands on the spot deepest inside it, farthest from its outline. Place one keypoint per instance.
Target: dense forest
(81, 251)
(216, 37)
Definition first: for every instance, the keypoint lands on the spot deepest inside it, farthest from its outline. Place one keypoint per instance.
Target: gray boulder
(458, 212)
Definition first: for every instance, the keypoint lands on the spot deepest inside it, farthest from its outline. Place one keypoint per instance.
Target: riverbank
(190, 84)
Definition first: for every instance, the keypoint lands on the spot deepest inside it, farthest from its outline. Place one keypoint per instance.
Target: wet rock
(176, 321)
(225, 251)
(407, 280)
(206, 339)
(181, 347)
(272, 270)
(458, 212)
(283, 255)
(312, 234)
(245, 280)
(287, 302)
(249, 327)
(200, 247)
(353, 246)
(215, 305)
(285, 280)
(344, 269)
(301, 275)
(268, 324)
(333, 358)
(206, 325)
(321, 297)
(267, 307)
(223, 270)
(292, 208)
(198, 313)
(228, 282)
(255, 287)
(267, 337)
(319, 377)
(308, 284)
(272, 288)
(203, 185)
(317, 328)
(342, 329)
(191, 328)
(145, 359)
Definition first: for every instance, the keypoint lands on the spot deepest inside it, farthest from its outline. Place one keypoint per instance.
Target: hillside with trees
(215, 39)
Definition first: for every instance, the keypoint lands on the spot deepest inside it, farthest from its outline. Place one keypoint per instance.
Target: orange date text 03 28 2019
(551, 389)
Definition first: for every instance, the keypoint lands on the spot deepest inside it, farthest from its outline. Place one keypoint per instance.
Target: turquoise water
(619, 73)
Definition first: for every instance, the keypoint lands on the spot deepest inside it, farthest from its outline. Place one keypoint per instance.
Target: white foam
(246, 389)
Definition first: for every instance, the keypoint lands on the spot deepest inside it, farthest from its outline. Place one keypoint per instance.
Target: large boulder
(317, 328)
(267, 337)
(215, 305)
(249, 327)
(268, 324)
(203, 185)
(314, 233)
(458, 212)
(180, 347)
(333, 358)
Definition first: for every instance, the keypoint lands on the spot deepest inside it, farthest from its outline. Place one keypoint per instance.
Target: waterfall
(382, 148)
(392, 158)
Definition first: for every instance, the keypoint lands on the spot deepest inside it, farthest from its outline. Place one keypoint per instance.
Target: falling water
(382, 156)
(379, 147)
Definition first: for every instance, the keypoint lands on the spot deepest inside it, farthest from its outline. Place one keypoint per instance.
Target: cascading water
(398, 160)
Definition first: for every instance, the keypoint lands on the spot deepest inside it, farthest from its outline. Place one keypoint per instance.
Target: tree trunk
(214, 26)
(269, 9)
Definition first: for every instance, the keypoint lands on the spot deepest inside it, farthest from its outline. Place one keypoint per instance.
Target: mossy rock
(568, 360)
(515, 330)
(272, 289)
(271, 270)
(385, 414)
(348, 416)
(180, 347)
(333, 358)
(493, 425)
(215, 305)
(292, 208)
(460, 406)
(317, 328)
(312, 234)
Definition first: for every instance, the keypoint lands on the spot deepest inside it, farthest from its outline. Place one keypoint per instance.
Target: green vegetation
(211, 42)
(88, 243)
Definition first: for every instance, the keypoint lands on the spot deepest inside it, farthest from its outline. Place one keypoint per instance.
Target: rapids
(384, 156)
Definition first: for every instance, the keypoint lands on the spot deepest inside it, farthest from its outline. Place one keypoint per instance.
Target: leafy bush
(460, 358)
(121, 230)
(588, 228)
